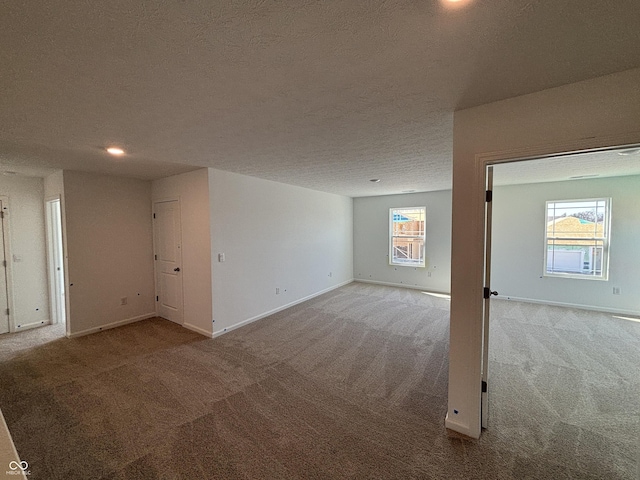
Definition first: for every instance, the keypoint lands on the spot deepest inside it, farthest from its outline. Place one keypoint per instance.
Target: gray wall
(519, 222)
(274, 236)
(371, 241)
(110, 250)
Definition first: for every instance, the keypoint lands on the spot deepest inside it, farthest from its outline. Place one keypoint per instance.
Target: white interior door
(487, 300)
(168, 259)
(4, 297)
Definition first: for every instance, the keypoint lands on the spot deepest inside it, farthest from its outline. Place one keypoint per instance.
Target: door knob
(177, 269)
(487, 292)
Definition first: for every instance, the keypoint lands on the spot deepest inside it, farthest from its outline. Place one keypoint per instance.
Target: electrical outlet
(123, 301)
(277, 291)
(428, 274)
(331, 274)
(616, 290)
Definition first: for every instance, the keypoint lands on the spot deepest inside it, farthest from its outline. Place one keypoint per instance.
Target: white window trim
(606, 241)
(423, 264)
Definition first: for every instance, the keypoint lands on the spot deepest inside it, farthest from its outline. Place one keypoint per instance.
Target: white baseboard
(279, 309)
(199, 330)
(594, 308)
(27, 326)
(459, 427)
(402, 285)
(109, 326)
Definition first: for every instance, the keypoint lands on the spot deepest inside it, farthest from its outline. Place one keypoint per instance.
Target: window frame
(605, 239)
(423, 238)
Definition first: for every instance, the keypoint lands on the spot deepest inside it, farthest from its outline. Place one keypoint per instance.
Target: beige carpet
(351, 384)
(565, 391)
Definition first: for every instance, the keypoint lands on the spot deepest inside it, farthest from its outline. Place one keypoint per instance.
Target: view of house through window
(407, 235)
(577, 238)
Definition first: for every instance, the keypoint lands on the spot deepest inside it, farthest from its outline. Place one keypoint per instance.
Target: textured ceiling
(608, 163)
(325, 95)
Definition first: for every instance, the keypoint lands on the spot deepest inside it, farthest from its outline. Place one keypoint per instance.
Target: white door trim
(57, 290)
(6, 228)
(487, 301)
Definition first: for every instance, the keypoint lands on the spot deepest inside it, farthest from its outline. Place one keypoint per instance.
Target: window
(577, 238)
(406, 236)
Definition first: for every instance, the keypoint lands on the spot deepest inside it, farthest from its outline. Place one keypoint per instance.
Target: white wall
(274, 235)
(193, 191)
(28, 247)
(601, 112)
(517, 261)
(54, 185)
(109, 249)
(371, 241)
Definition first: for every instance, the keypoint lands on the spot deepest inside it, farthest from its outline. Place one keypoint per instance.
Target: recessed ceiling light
(629, 151)
(454, 3)
(375, 180)
(115, 151)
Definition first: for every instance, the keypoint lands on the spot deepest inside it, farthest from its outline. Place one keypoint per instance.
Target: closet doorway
(55, 256)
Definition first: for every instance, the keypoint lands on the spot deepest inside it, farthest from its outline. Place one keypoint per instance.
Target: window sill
(575, 276)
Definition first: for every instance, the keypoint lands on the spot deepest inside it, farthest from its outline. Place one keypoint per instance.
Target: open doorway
(55, 258)
(563, 347)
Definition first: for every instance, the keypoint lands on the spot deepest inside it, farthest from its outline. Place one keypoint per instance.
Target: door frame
(155, 263)
(486, 315)
(485, 160)
(6, 230)
(55, 294)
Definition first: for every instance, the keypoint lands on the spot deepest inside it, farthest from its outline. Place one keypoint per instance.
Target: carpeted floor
(565, 391)
(352, 384)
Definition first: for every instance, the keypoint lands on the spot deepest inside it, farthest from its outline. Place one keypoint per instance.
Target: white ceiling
(325, 95)
(608, 163)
